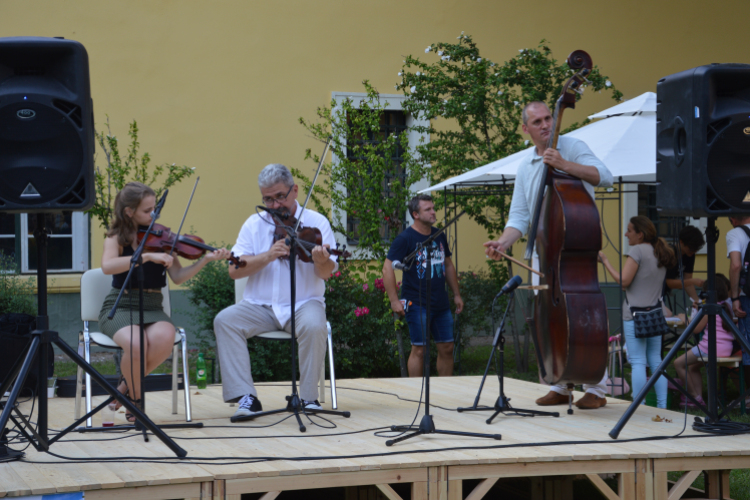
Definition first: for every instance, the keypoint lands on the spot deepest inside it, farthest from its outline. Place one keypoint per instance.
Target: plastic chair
(239, 287)
(95, 285)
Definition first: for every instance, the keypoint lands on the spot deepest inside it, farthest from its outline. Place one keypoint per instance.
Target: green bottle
(200, 372)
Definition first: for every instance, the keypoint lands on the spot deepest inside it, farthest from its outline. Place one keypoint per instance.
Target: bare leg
(445, 359)
(695, 380)
(679, 366)
(159, 339)
(416, 361)
(688, 368)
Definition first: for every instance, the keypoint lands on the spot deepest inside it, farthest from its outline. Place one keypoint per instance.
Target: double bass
(570, 313)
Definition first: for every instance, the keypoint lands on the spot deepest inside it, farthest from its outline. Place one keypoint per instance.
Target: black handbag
(648, 321)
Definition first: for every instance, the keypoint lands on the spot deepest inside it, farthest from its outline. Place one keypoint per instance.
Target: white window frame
(395, 102)
(79, 237)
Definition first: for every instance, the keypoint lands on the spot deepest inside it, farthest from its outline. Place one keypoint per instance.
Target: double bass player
(573, 157)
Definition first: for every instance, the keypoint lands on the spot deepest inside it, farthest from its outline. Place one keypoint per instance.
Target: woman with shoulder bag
(643, 318)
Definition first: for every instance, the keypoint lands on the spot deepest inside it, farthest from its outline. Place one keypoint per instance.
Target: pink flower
(361, 311)
(338, 273)
(379, 284)
(365, 287)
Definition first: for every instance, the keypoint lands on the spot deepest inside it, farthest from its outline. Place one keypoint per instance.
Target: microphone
(511, 285)
(277, 213)
(397, 264)
(157, 211)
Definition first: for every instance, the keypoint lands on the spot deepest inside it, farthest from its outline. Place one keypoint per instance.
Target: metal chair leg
(87, 357)
(186, 377)
(79, 378)
(334, 400)
(174, 379)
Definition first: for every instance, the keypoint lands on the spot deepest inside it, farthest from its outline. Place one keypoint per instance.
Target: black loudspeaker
(46, 126)
(703, 141)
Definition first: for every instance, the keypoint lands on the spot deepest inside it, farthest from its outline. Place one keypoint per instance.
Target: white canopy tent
(623, 137)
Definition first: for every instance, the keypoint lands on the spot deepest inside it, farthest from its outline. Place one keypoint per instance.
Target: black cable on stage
(245, 460)
(721, 428)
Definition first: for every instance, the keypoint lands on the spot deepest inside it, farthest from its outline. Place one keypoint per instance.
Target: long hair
(663, 253)
(130, 196)
(723, 288)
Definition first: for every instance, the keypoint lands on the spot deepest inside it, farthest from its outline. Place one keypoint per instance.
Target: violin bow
(312, 186)
(177, 237)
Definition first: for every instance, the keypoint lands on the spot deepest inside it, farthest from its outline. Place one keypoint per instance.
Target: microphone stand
(427, 425)
(136, 263)
(502, 404)
(294, 402)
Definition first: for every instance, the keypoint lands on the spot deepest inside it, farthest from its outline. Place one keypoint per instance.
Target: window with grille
(391, 122)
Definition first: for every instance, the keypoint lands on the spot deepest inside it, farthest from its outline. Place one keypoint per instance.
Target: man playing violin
(266, 304)
(575, 158)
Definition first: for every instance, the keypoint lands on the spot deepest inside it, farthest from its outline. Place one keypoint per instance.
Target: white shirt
(270, 285)
(737, 241)
(531, 173)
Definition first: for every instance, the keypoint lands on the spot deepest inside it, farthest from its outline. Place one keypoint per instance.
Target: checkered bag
(649, 321)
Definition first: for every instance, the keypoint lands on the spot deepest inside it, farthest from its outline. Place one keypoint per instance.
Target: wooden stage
(434, 465)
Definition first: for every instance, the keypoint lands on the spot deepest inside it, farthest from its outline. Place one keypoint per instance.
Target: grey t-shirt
(646, 287)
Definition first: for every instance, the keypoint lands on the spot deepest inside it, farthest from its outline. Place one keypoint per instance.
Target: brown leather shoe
(590, 401)
(552, 398)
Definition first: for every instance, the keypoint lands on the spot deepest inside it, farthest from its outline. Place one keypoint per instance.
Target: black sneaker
(311, 405)
(249, 405)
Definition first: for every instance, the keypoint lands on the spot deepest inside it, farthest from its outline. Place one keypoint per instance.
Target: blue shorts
(441, 324)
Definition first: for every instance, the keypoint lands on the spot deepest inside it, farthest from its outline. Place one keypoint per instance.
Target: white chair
(239, 287)
(95, 285)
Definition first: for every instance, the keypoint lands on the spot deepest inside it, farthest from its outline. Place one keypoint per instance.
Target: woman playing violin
(133, 207)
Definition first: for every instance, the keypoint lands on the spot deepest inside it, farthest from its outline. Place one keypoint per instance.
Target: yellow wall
(219, 85)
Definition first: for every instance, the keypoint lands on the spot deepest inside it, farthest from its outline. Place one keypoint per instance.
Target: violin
(307, 237)
(570, 317)
(188, 246)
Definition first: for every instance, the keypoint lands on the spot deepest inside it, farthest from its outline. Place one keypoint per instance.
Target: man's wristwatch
(735, 299)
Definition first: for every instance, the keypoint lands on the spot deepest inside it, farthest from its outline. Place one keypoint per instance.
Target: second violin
(308, 237)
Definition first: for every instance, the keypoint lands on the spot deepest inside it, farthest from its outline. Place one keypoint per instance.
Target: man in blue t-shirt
(414, 287)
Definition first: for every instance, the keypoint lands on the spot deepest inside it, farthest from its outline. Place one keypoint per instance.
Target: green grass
(107, 367)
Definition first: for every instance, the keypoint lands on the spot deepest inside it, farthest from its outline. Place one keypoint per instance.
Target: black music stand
(711, 309)
(502, 404)
(39, 348)
(427, 425)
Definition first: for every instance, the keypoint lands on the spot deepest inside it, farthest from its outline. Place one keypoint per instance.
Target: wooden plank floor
(258, 454)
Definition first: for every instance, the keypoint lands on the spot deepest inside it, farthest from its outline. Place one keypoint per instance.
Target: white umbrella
(624, 139)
